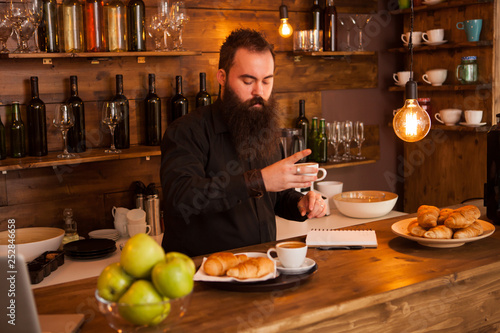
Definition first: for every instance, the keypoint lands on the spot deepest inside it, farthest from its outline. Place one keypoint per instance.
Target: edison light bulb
(285, 29)
(411, 123)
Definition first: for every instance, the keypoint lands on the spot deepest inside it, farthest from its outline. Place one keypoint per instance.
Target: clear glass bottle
(72, 12)
(115, 13)
(70, 228)
(94, 26)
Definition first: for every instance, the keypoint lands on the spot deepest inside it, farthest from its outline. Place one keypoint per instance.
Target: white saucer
(472, 125)
(436, 43)
(307, 265)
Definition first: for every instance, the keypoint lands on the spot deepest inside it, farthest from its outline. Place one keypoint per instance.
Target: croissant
(443, 215)
(462, 217)
(475, 229)
(415, 229)
(427, 216)
(217, 264)
(441, 231)
(252, 268)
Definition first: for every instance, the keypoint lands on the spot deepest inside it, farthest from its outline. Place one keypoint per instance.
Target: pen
(354, 247)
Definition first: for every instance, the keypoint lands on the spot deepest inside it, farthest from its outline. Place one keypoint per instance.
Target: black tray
(283, 281)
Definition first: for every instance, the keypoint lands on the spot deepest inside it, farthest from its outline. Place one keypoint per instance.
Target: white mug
(401, 77)
(435, 77)
(305, 169)
(329, 189)
(449, 117)
(138, 228)
(416, 37)
(136, 216)
(473, 117)
(120, 214)
(290, 254)
(121, 227)
(433, 35)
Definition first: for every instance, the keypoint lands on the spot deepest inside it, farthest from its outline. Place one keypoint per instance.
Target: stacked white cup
(136, 222)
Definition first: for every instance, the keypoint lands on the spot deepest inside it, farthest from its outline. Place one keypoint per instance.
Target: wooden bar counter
(400, 286)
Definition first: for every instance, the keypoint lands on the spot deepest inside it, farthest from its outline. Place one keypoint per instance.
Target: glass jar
(425, 103)
(467, 71)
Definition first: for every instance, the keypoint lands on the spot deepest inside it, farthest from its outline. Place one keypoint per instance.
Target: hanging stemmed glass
(17, 14)
(178, 17)
(348, 23)
(347, 137)
(359, 137)
(154, 28)
(64, 119)
(5, 28)
(111, 116)
(35, 9)
(361, 20)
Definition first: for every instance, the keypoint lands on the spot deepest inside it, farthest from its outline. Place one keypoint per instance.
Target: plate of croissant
(445, 227)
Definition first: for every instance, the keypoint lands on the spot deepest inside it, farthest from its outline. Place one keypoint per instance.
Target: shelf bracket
(47, 61)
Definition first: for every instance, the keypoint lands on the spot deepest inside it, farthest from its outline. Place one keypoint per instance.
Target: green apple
(113, 282)
(173, 278)
(141, 305)
(169, 256)
(140, 254)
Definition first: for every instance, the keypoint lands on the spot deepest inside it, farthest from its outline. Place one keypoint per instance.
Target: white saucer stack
(105, 234)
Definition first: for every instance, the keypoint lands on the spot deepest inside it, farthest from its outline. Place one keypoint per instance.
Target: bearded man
(222, 175)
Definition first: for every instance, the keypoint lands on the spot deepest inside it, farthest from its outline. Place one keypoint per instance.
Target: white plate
(401, 229)
(436, 43)
(472, 125)
(307, 265)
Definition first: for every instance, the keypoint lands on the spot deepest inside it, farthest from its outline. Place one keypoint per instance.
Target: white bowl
(31, 242)
(365, 204)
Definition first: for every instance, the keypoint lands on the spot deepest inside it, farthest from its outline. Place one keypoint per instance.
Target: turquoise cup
(472, 29)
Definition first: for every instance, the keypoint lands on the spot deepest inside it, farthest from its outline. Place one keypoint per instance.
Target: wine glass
(111, 116)
(17, 14)
(361, 20)
(359, 138)
(154, 28)
(178, 17)
(5, 28)
(26, 30)
(347, 136)
(334, 139)
(348, 23)
(35, 9)
(64, 119)
(164, 16)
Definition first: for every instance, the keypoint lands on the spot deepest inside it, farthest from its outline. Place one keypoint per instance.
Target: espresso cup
(449, 117)
(290, 254)
(136, 216)
(416, 37)
(433, 36)
(307, 169)
(472, 29)
(401, 77)
(473, 117)
(138, 228)
(435, 77)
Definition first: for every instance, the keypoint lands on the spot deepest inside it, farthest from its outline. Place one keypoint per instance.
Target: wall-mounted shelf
(447, 87)
(442, 5)
(332, 165)
(460, 128)
(445, 46)
(330, 54)
(43, 55)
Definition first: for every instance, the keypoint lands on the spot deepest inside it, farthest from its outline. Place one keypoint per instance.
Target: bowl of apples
(148, 290)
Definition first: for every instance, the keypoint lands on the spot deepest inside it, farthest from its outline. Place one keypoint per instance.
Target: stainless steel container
(152, 208)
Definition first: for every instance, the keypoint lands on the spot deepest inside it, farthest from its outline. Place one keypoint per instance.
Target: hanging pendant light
(411, 123)
(285, 29)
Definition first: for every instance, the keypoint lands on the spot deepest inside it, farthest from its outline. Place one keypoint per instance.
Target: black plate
(89, 246)
(90, 256)
(283, 281)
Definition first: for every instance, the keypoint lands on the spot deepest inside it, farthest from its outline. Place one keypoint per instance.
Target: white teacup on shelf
(449, 117)
(433, 36)
(400, 78)
(473, 117)
(435, 77)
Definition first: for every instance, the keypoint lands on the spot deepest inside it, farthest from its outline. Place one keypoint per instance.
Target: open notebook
(332, 238)
(18, 307)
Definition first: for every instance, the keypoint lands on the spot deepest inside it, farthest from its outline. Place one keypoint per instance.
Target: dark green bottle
(76, 134)
(311, 140)
(3, 145)
(49, 23)
(17, 134)
(179, 102)
(301, 122)
(322, 142)
(37, 125)
(152, 106)
(122, 131)
(203, 97)
(136, 15)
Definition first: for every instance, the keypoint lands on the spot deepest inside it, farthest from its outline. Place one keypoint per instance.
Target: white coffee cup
(120, 214)
(121, 227)
(473, 117)
(435, 77)
(290, 254)
(433, 35)
(329, 189)
(138, 228)
(307, 169)
(449, 117)
(401, 77)
(416, 37)
(136, 216)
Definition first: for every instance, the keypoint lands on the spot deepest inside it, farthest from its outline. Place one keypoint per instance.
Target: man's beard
(254, 130)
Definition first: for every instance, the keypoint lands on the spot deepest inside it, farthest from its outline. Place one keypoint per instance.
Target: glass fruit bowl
(126, 317)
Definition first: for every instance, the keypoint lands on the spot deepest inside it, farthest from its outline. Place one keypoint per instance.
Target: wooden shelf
(460, 128)
(336, 165)
(331, 55)
(91, 155)
(442, 5)
(45, 55)
(445, 46)
(463, 87)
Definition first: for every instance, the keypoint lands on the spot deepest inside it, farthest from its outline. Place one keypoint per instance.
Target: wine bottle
(301, 122)
(179, 102)
(122, 136)
(322, 142)
(3, 142)
(94, 26)
(330, 33)
(37, 125)
(76, 134)
(311, 140)
(17, 134)
(316, 15)
(203, 97)
(50, 26)
(73, 26)
(152, 105)
(136, 32)
(115, 14)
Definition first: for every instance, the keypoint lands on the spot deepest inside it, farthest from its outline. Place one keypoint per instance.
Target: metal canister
(139, 201)
(152, 208)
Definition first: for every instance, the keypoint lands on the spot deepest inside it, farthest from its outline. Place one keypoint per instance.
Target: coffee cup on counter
(329, 189)
(139, 228)
(472, 29)
(435, 77)
(400, 78)
(136, 216)
(473, 117)
(449, 117)
(433, 36)
(120, 220)
(416, 37)
(290, 254)
(310, 169)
